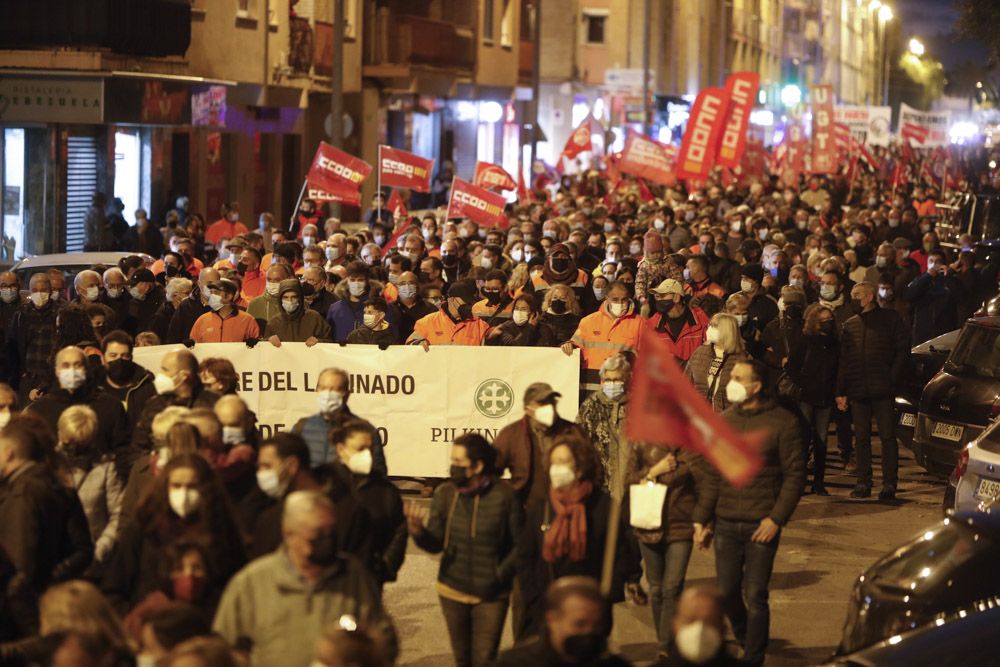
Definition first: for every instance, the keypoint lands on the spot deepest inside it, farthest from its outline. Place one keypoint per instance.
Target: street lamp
(885, 13)
(916, 47)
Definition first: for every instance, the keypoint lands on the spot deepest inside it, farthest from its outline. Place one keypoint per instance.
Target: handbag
(788, 388)
(646, 505)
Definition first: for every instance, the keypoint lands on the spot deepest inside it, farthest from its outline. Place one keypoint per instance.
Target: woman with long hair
(185, 503)
(710, 366)
(561, 313)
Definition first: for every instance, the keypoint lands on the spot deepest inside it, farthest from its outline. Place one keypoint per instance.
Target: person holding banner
(475, 521)
(225, 323)
(296, 323)
(614, 328)
(453, 323)
(355, 292)
(375, 330)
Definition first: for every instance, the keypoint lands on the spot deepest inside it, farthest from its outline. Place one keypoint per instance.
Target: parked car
(962, 638)
(70, 263)
(943, 569)
(976, 480)
(962, 399)
(926, 360)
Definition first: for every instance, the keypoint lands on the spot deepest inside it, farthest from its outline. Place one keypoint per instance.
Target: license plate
(948, 431)
(908, 419)
(988, 488)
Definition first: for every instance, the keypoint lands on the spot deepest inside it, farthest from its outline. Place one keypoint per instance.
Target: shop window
(594, 21)
(13, 194)
(507, 24)
(245, 9)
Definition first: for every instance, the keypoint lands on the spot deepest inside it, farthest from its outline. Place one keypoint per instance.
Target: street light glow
(791, 95)
(874, 5)
(916, 47)
(885, 14)
(979, 84)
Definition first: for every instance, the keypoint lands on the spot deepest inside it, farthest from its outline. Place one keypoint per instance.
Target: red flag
(702, 135)
(523, 195)
(646, 158)
(577, 143)
(644, 192)
(342, 195)
(399, 169)
(824, 144)
(396, 205)
(404, 229)
(842, 136)
(914, 133)
(493, 176)
(665, 409)
(741, 88)
(476, 203)
(337, 172)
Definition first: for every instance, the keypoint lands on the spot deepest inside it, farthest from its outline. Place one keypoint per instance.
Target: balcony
(400, 42)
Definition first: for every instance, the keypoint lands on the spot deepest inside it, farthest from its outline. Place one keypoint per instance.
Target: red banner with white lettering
(824, 143)
(400, 169)
(665, 409)
(701, 139)
(794, 161)
(337, 172)
(647, 158)
(493, 176)
(741, 88)
(341, 194)
(476, 203)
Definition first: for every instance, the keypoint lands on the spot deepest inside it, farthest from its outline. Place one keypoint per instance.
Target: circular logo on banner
(494, 398)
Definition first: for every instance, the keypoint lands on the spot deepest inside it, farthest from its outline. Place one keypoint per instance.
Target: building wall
(497, 58)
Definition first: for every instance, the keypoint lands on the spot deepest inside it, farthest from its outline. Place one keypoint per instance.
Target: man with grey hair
(32, 334)
(87, 285)
(276, 607)
(115, 295)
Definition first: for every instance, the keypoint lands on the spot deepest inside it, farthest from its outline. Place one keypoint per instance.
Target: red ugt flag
(476, 203)
(666, 409)
(399, 169)
(493, 176)
(336, 172)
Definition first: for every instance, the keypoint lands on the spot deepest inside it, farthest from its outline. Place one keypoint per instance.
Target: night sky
(933, 22)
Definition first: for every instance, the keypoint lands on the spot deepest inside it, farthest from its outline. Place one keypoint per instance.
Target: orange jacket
(254, 283)
(193, 270)
(223, 229)
(439, 329)
(540, 283)
(211, 328)
(600, 336)
(691, 337)
(707, 287)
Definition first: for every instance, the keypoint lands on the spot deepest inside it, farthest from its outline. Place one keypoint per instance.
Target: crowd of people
(143, 520)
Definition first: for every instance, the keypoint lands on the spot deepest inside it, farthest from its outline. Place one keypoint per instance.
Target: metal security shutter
(81, 184)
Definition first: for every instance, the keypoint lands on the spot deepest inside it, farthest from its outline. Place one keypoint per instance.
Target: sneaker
(887, 493)
(861, 491)
(820, 490)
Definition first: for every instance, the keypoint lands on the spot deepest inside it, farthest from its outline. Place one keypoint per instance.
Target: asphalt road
(828, 543)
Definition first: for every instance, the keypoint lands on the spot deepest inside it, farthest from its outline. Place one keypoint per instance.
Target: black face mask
(120, 370)
(465, 311)
(557, 306)
(793, 312)
(171, 270)
(459, 476)
(241, 268)
(826, 327)
(305, 213)
(584, 648)
(856, 305)
(323, 549)
(661, 306)
(449, 260)
(492, 296)
(559, 264)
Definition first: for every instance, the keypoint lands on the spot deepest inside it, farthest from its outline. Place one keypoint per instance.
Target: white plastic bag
(646, 505)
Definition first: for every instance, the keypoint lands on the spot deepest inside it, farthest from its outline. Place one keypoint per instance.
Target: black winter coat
(874, 348)
(812, 365)
(477, 534)
(112, 425)
(184, 318)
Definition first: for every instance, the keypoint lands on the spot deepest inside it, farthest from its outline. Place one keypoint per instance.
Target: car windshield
(977, 352)
(933, 558)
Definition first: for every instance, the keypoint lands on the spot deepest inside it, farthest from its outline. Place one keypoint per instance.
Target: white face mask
(828, 292)
(781, 305)
(290, 306)
(736, 392)
(372, 320)
(516, 255)
(616, 309)
(486, 262)
(356, 288)
(360, 463)
(545, 414)
(71, 379)
(747, 285)
(307, 241)
(407, 291)
(880, 261)
(8, 294)
(613, 389)
(233, 435)
(4, 418)
(272, 288)
(215, 302)
(520, 317)
(333, 253)
(599, 293)
(697, 642)
(712, 334)
(39, 298)
(164, 384)
(92, 292)
(659, 224)
(184, 501)
(270, 483)
(795, 282)
(329, 401)
(561, 475)
(114, 292)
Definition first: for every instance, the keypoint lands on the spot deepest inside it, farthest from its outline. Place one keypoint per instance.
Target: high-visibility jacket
(600, 335)
(691, 337)
(439, 329)
(541, 284)
(213, 328)
(488, 312)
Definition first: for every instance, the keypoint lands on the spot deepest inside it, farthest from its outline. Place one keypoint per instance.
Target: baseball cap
(539, 392)
(142, 276)
(224, 284)
(669, 286)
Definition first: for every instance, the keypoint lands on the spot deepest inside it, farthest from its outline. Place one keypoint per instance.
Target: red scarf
(567, 534)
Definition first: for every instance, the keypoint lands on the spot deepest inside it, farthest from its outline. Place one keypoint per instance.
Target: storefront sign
(51, 100)
(419, 401)
(208, 106)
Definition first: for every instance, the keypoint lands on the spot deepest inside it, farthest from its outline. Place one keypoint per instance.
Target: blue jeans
(666, 566)
(743, 571)
(819, 423)
(474, 630)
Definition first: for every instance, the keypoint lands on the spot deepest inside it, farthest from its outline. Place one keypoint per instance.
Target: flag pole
(610, 547)
(298, 202)
(378, 186)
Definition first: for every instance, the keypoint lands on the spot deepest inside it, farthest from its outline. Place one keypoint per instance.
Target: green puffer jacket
(776, 489)
(300, 325)
(477, 533)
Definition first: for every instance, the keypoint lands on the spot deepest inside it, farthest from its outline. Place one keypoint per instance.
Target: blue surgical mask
(613, 390)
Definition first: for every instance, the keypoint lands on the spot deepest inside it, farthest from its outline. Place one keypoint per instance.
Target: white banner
(419, 401)
(868, 125)
(923, 129)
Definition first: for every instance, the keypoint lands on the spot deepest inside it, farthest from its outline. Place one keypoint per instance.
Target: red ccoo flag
(577, 143)
(665, 409)
(741, 88)
(476, 203)
(701, 138)
(399, 169)
(335, 171)
(341, 194)
(493, 176)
